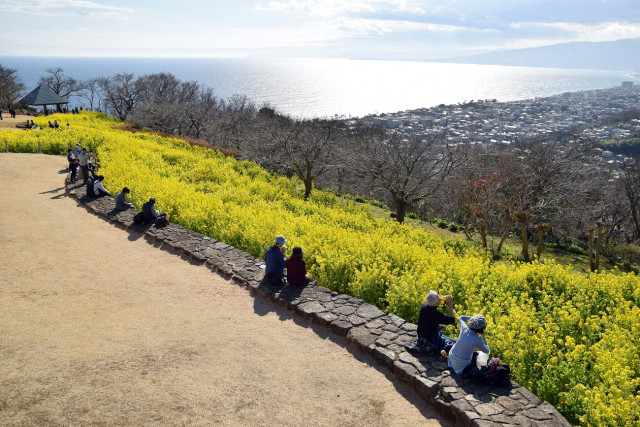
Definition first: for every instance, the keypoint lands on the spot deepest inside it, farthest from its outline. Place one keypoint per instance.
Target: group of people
(461, 353)
(276, 263)
(78, 158)
(12, 113)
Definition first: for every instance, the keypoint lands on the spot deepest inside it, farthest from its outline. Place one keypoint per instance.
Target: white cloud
(326, 8)
(65, 8)
(598, 32)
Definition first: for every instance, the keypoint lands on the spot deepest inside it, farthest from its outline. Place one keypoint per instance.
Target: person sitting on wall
(275, 261)
(151, 215)
(297, 268)
(98, 188)
(463, 354)
(431, 324)
(121, 200)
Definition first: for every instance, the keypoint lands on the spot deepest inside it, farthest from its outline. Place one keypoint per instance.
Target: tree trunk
(592, 265)
(525, 242)
(308, 186)
(504, 236)
(401, 210)
(483, 234)
(540, 243)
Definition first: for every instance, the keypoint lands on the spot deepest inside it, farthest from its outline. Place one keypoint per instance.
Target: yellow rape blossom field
(571, 338)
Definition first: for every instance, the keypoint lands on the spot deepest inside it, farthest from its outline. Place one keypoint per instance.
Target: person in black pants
(73, 164)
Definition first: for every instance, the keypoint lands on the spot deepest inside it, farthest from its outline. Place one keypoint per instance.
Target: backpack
(90, 192)
(139, 218)
(494, 374)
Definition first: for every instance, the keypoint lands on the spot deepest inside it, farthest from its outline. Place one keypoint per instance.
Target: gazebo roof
(42, 95)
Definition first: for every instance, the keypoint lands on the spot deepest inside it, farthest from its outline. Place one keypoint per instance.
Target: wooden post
(39, 148)
(6, 145)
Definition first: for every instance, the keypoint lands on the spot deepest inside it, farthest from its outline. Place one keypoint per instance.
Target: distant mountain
(620, 55)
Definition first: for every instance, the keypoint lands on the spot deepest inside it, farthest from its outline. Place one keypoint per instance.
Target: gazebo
(44, 96)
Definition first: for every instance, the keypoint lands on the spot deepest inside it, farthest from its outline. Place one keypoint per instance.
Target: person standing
(73, 165)
(83, 162)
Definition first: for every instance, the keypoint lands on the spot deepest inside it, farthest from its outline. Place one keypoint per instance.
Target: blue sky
(373, 29)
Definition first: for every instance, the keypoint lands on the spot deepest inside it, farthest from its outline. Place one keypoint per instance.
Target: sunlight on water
(326, 87)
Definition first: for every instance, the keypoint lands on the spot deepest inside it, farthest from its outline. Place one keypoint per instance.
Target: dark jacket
(275, 261)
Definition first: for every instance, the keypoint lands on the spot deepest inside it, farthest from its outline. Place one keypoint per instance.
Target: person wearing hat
(471, 337)
(151, 215)
(275, 261)
(431, 322)
(297, 268)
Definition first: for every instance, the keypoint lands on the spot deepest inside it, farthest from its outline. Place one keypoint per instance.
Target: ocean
(343, 87)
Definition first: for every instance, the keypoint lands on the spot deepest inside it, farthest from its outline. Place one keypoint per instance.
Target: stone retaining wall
(364, 326)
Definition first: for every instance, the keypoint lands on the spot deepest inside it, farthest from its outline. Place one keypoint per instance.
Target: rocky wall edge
(365, 327)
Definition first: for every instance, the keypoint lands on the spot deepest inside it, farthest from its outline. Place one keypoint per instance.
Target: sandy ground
(8, 122)
(99, 327)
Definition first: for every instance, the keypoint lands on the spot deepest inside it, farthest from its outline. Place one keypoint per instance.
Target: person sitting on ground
(463, 354)
(73, 165)
(432, 322)
(151, 215)
(98, 188)
(297, 268)
(121, 200)
(275, 261)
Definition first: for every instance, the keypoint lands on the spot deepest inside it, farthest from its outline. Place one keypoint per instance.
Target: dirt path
(98, 327)
(8, 122)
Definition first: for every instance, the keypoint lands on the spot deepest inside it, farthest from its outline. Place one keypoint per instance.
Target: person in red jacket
(296, 268)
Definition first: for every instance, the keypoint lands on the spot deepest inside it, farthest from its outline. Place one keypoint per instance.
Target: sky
(359, 29)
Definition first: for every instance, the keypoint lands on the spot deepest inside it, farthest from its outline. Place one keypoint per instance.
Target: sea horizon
(328, 87)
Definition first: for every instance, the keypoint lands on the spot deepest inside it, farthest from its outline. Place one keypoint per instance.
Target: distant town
(596, 114)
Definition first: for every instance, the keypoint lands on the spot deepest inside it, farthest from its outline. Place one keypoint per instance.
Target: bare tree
(631, 185)
(121, 94)
(10, 86)
(408, 167)
(89, 90)
(306, 147)
(59, 82)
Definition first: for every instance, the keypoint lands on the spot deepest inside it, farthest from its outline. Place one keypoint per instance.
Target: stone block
(488, 409)
(361, 337)
(345, 310)
(341, 327)
(405, 372)
(385, 356)
(369, 312)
